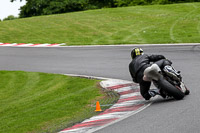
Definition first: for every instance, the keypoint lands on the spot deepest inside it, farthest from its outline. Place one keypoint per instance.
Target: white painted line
(120, 119)
(136, 45)
(7, 45)
(25, 45)
(85, 76)
(30, 45)
(130, 95)
(108, 116)
(122, 45)
(128, 103)
(124, 89)
(79, 130)
(120, 110)
(41, 45)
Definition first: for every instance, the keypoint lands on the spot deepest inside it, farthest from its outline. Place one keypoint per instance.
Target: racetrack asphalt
(166, 116)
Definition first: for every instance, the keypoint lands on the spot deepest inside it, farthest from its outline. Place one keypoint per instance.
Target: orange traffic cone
(98, 108)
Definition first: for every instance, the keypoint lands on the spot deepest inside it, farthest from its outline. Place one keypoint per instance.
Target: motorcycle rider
(139, 63)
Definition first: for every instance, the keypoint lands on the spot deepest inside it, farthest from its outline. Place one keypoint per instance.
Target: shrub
(10, 17)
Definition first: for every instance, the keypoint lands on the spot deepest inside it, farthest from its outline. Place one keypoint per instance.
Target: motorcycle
(168, 81)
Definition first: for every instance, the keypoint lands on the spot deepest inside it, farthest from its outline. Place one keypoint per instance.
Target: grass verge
(39, 102)
(175, 23)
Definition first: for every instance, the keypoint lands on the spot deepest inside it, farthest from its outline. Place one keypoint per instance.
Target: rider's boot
(154, 92)
(162, 94)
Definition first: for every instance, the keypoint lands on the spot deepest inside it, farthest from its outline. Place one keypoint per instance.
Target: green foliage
(161, 2)
(138, 2)
(10, 17)
(102, 3)
(46, 7)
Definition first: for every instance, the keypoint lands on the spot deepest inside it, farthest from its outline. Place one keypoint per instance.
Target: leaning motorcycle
(168, 81)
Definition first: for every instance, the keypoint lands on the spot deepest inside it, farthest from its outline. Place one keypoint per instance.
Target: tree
(33, 8)
(102, 3)
(14, 0)
(46, 7)
(10, 17)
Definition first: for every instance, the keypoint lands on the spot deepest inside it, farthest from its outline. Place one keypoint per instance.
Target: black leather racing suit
(139, 64)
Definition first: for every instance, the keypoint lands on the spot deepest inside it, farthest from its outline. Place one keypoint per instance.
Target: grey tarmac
(166, 116)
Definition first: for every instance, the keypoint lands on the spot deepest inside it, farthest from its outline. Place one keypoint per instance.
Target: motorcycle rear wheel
(187, 92)
(170, 89)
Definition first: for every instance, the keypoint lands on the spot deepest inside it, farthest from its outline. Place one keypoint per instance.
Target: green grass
(39, 102)
(175, 23)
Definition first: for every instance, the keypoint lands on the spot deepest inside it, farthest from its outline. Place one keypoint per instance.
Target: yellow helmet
(135, 52)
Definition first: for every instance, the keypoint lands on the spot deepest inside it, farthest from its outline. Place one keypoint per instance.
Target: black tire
(170, 89)
(187, 92)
